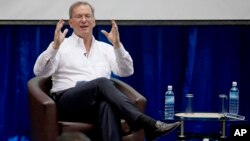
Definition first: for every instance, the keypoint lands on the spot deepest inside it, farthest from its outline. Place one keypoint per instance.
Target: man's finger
(65, 32)
(59, 25)
(114, 24)
(104, 32)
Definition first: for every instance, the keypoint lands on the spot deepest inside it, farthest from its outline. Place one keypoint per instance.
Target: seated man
(81, 68)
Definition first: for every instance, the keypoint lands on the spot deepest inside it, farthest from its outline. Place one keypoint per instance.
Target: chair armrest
(42, 111)
(131, 93)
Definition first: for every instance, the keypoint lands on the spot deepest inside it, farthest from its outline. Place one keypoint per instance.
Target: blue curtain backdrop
(202, 60)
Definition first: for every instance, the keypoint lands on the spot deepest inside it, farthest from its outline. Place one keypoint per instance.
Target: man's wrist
(117, 45)
(55, 45)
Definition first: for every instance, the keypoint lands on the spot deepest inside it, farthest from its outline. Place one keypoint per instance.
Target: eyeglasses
(79, 17)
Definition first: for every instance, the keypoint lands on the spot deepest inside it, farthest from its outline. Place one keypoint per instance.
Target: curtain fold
(192, 40)
(202, 60)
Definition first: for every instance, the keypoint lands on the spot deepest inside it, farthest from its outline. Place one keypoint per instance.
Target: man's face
(82, 21)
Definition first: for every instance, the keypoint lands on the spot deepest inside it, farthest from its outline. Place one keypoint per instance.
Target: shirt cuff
(121, 51)
(51, 52)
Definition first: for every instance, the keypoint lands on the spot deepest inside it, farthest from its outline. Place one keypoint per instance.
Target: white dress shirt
(70, 64)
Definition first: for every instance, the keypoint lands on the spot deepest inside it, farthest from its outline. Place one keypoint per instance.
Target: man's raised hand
(113, 36)
(59, 35)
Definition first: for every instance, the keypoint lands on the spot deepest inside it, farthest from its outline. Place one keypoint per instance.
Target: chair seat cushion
(65, 126)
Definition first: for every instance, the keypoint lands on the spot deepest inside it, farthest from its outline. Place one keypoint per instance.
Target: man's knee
(104, 104)
(102, 80)
(105, 107)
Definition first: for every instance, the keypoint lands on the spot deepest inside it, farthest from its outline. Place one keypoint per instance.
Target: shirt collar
(79, 40)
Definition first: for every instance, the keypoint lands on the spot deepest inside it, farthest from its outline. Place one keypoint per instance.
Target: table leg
(223, 129)
(182, 130)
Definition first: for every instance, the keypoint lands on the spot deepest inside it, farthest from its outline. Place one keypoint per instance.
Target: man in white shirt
(81, 66)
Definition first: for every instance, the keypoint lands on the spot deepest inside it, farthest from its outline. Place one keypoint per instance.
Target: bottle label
(233, 95)
(169, 107)
(234, 102)
(169, 99)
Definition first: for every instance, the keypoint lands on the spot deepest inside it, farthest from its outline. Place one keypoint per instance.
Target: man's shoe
(161, 130)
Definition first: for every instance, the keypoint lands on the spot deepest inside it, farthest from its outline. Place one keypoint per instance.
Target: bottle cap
(234, 83)
(170, 87)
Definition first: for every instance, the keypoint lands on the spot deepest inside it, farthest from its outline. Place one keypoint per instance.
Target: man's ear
(70, 23)
(94, 23)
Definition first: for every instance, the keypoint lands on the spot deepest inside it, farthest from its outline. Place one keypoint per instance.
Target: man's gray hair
(80, 3)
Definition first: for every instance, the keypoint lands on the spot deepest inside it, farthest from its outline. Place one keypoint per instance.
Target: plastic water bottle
(169, 103)
(234, 99)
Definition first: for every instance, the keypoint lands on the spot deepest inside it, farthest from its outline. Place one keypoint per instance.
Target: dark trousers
(98, 102)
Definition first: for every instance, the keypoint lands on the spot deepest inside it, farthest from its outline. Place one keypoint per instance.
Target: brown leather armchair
(43, 112)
